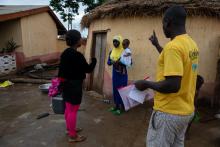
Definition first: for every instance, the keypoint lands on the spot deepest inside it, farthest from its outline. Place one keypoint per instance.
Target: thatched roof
(127, 8)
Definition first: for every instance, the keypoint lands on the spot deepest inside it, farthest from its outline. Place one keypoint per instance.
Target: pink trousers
(71, 117)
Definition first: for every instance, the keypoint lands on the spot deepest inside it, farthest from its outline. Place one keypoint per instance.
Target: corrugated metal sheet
(9, 9)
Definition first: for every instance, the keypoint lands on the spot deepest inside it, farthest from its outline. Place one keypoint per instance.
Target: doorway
(98, 51)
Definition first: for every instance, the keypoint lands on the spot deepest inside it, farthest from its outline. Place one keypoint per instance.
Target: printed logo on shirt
(193, 55)
(194, 66)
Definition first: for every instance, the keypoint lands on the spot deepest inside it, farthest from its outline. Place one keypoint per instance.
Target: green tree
(69, 8)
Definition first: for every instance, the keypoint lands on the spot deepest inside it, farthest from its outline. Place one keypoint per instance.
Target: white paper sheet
(132, 97)
(138, 95)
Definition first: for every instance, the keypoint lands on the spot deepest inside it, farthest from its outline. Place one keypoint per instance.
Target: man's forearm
(162, 86)
(159, 48)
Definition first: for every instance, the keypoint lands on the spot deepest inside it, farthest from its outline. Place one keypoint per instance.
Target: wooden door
(99, 51)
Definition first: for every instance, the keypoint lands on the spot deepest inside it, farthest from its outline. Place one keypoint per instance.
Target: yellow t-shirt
(178, 58)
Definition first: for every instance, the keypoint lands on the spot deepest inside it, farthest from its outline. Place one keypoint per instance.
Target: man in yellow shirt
(175, 82)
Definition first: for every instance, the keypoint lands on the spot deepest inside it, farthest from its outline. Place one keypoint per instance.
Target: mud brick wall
(217, 88)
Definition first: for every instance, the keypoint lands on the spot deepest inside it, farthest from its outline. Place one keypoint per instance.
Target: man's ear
(167, 23)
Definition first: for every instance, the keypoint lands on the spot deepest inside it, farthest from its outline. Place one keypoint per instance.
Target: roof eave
(60, 27)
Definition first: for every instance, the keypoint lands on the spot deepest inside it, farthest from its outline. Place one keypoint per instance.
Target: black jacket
(73, 68)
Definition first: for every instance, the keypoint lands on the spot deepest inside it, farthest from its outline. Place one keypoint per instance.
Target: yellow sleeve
(173, 62)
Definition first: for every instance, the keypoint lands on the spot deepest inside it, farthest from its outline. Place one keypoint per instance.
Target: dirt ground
(20, 104)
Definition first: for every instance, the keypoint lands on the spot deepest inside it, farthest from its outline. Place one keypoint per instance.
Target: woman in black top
(73, 68)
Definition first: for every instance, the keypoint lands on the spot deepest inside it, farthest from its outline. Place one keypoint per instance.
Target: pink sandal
(77, 131)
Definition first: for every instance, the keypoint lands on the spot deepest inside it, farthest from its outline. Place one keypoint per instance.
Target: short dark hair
(72, 37)
(127, 41)
(177, 14)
